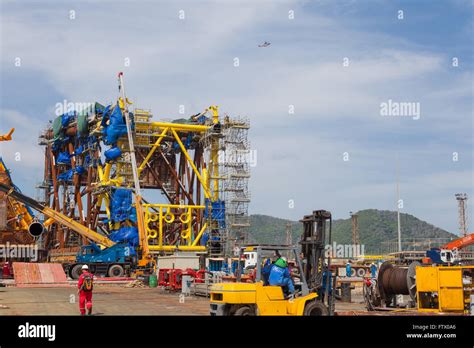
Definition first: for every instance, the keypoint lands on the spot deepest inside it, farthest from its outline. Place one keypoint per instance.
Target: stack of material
(29, 275)
(135, 284)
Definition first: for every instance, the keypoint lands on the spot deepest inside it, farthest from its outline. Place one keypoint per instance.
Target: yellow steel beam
(176, 247)
(190, 161)
(160, 205)
(160, 236)
(152, 150)
(180, 126)
(108, 168)
(141, 226)
(198, 237)
(77, 227)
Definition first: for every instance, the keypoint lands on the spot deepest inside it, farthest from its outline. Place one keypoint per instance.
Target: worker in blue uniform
(280, 276)
(267, 266)
(326, 283)
(266, 269)
(373, 270)
(348, 269)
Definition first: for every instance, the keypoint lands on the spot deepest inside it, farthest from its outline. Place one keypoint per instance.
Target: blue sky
(337, 108)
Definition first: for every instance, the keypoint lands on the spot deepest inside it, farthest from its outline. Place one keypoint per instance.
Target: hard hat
(281, 262)
(85, 267)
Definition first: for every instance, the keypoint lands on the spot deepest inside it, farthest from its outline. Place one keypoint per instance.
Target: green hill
(377, 230)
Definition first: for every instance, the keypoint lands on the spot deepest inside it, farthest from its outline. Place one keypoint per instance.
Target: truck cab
(250, 258)
(115, 261)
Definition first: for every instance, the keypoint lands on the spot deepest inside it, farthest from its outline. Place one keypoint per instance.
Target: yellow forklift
(252, 297)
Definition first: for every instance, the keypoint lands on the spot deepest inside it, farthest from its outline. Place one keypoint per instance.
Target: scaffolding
(88, 164)
(462, 203)
(235, 163)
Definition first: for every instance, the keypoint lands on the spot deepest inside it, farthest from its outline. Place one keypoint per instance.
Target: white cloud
(189, 62)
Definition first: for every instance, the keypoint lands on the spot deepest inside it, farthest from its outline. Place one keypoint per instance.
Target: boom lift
(105, 256)
(449, 253)
(15, 218)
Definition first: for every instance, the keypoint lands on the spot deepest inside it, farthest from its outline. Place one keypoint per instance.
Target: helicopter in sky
(265, 44)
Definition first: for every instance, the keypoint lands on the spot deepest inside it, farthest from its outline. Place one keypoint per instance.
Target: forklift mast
(313, 246)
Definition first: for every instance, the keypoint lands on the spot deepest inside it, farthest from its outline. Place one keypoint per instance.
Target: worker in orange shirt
(84, 289)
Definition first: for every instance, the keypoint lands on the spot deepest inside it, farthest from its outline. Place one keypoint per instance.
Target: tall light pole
(462, 202)
(398, 208)
(355, 228)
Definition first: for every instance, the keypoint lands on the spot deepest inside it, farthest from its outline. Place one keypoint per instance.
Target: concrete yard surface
(116, 299)
(107, 300)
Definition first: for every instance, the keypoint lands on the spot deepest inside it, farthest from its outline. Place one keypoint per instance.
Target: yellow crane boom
(58, 217)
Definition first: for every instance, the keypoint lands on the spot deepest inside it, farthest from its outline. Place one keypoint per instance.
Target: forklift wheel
(315, 308)
(245, 310)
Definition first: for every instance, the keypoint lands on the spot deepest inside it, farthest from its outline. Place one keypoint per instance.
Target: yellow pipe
(152, 150)
(180, 126)
(141, 226)
(205, 176)
(176, 247)
(151, 205)
(190, 226)
(108, 167)
(100, 172)
(183, 149)
(76, 226)
(160, 240)
(198, 237)
(48, 222)
(24, 225)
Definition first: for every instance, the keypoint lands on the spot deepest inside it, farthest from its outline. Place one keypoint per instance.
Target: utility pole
(462, 202)
(398, 208)
(355, 229)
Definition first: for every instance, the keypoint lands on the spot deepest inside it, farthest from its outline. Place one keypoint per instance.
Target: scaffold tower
(236, 168)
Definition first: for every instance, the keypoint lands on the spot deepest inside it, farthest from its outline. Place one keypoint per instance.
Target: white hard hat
(85, 267)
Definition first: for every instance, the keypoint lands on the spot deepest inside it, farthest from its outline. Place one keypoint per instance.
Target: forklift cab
(253, 298)
(263, 252)
(249, 296)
